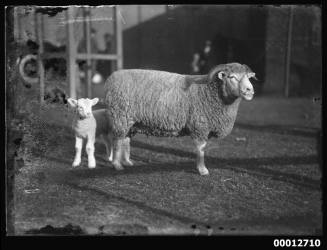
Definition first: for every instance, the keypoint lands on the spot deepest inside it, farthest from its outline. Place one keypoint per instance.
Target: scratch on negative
(121, 16)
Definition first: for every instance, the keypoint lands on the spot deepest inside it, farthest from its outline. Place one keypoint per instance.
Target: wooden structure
(288, 52)
(71, 54)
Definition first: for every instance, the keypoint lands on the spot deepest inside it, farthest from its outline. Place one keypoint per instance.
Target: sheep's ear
(221, 75)
(214, 72)
(253, 76)
(95, 101)
(72, 102)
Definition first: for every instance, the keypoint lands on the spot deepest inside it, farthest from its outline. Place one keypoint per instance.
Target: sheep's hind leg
(200, 144)
(126, 152)
(78, 149)
(108, 143)
(117, 154)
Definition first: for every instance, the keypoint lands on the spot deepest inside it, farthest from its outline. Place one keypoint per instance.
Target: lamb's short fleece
(92, 126)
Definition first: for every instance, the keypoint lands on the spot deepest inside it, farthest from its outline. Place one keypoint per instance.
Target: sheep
(161, 103)
(90, 125)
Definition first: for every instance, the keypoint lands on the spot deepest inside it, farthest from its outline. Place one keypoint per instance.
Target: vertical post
(139, 13)
(119, 37)
(288, 51)
(11, 85)
(16, 24)
(71, 53)
(19, 24)
(11, 109)
(39, 34)
(139, 34)
(88, 52)
(115, 46)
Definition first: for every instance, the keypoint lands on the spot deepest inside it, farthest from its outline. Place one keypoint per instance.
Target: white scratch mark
(82, 19)
(122, 18)
(105, 6)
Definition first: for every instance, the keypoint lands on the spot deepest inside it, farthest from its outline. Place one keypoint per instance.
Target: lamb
(92, 126)
(161, 103)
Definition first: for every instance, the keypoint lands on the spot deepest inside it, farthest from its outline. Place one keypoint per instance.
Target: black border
(256, 241)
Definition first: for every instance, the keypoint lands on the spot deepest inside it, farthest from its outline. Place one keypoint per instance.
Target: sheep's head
(233, 80)
(83, 106)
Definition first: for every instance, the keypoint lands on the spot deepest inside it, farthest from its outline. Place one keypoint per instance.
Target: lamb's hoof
(91, 166)
(128, 163)
(118, 166)
(110, 159)
(203, 171)
(76, 164)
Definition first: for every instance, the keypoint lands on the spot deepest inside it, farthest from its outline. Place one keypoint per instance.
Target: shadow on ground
(281, 129)
(248, 165)
(143, 165)
(229, 225)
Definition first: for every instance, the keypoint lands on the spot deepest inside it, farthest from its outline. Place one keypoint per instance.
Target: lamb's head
(83, 106)
(233, 80)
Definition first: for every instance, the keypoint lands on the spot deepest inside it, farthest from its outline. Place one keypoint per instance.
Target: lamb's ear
(216, 73)
(95, 101)
(72, 102)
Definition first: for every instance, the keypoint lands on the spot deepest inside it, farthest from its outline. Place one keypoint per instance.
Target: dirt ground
(265, 179)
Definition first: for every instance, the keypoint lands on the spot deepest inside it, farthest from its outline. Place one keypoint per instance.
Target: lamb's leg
(78, 151)
(118, 144)
(200, 144)
(90, 152)
(126, 152)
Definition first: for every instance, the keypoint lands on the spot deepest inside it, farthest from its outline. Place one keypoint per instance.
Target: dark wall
(305, 61)
(167, 42)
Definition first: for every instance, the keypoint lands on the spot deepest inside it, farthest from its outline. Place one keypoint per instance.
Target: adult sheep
(161, 103)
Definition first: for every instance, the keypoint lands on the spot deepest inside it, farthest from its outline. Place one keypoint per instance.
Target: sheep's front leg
(200, 145)
(78, 151)
(126, 152)
(118, 146)
(90, 152)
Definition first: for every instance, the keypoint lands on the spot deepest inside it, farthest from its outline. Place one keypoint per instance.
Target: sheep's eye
(233, 77)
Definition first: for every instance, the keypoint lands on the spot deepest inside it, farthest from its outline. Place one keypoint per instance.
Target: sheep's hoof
(128, 163)
(118, 166)
(110, 159)
(203, 171)
(92, 166)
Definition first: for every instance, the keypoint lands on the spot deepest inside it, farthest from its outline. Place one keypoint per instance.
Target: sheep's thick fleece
(168, 104)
